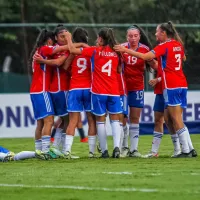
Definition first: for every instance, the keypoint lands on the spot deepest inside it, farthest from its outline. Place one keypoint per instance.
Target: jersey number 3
(82, 64)
(178, 60)
(106, 68)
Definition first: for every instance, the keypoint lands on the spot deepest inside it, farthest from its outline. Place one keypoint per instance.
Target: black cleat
(194, 153)
(116, 152)
(184, 155)
(105, 154)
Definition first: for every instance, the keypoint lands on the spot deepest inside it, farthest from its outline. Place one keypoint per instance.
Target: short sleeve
(47, 50)
(159, 50)
(88, 51)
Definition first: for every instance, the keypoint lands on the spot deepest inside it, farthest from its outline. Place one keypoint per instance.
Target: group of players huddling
(69, 77)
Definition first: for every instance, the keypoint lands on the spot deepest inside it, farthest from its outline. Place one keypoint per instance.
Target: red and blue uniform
(59, 87)
(174, 83)
(134, 75)
(105, 86)
(40, 86)
(79, 98)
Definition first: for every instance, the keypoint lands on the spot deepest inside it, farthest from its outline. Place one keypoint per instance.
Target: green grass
(171, 178)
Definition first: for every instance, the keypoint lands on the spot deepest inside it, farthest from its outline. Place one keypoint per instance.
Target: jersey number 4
(106, 68)
(178, 60)
(82, 64)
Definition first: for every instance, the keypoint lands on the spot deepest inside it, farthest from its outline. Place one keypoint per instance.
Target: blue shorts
(42, 105)
(59, 100)
(3, 150)
(102, 103)
(175, 97)
(124, 104)
(79, 100)
(159, 103)
(136, 99)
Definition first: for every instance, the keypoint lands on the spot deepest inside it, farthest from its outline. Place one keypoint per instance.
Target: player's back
(104, 78)
(172, 63)
(80, 73)
(42, 73)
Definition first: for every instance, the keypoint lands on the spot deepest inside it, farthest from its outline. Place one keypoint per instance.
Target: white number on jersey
(82, 64)
(139, 95)
(131, 60)
(107, 67)
(178, 60)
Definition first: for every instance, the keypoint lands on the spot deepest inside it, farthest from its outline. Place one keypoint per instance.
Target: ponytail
(43, 36)
(171, 31)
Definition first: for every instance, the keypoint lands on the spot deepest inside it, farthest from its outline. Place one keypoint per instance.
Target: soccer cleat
(184, 155)
(67, 155)
(194, 153)
(84, 140)
(41, 155)
(151, 155)
(91, 155)
(124, 152)
(176, 153)
(57, 152)
(135, 153)
(105, 154)
(116, 153)
(99, 148)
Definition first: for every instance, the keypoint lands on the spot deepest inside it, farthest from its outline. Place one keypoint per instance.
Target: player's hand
(68, 35)
(84, 45)
(119, 48)
(37, 58)
(153, 82)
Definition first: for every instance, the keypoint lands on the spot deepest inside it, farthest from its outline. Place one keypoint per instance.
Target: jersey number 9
(82, 64)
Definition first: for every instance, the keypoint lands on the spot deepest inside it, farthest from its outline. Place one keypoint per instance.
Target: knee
(134, 119)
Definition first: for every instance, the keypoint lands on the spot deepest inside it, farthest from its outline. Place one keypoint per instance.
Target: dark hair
(80, 35)
(59, 28)
(107, 35)
(42, 38)
(170, 30)
(143, 39)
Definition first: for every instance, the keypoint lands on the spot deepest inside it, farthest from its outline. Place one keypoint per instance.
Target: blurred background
(21, 21)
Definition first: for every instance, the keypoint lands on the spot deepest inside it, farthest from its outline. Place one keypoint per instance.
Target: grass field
(160, 178)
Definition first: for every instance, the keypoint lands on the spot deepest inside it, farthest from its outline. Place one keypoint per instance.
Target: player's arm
(52, 62)
(66, 47)
(154, 81)
(72, 47)
(153, 64)
(68, 62)
(145, 56)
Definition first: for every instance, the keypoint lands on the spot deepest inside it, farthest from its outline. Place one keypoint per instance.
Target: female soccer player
(134, 75)
(105, 88)
(39, 91)
(79, 97)
(170, 51)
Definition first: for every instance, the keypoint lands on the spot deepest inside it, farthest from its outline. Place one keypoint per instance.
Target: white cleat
(91, 155)
(151, 155)
(176, 153)
(135, 153)
(124, 152)
(67, 155)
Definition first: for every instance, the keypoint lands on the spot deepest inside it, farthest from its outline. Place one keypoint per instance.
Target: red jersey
(80, 73)
(60, 77)
(42, 73)
(104, 70)
(171, 55)
(134, 68)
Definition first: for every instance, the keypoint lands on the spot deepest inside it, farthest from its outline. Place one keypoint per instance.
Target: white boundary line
(80, 188)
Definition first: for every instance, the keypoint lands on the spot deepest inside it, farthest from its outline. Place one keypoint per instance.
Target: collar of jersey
(137, 47)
